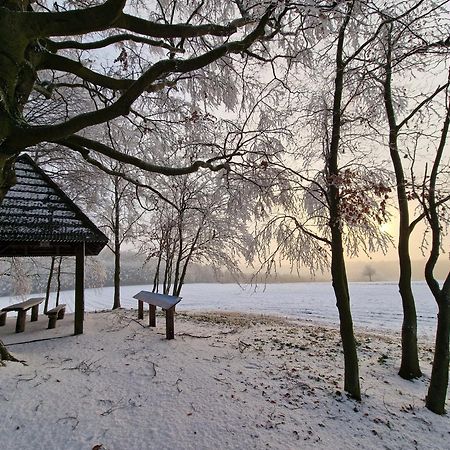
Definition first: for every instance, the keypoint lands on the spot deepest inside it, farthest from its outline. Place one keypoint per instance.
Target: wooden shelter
(38, 219)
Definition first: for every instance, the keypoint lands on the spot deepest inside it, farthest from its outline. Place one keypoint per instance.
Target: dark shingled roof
(38, 219)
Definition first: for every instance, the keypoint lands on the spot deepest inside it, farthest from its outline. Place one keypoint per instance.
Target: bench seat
(55, 314)
(22, 308)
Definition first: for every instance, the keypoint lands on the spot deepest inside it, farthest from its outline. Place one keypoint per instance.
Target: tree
(194, 226)
(405, 48)
(36, 43)
(39, 47)
(342, 204)
(434, 197)
(369, 272)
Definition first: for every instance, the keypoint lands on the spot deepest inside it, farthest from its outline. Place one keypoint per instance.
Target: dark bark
(49, 284)
(338, 270)
(409, 367)
(5, 355)
(79, 290)
(58, 281)
(117, 243)
(20, 58)
(437, 391)
(340, 286)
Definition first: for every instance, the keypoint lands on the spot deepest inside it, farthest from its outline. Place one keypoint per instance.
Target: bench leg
(2, 319)
(34, 313)
(52, 321)
(152, 315)
(170, 323)
(140, 309)
(20, 324)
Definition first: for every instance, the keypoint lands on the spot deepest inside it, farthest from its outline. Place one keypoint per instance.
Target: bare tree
(369, 272)
(434, 197)
(200, 224)
(36, 42)
(407, 45)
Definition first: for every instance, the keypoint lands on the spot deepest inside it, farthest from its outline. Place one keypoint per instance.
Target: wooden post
(52, 321)
(140, 309)
(79, 289)
(152, 315)
(34, 313)
(21, 317)
(170, 323)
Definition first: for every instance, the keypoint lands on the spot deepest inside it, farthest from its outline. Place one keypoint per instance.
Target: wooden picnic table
(22, 308)
(166, 302)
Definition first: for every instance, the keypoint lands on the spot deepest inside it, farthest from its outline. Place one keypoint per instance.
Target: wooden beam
(140, 309)
(170, 323)
(152, 316)
(34, 313)
(79, 289)
(21, 318)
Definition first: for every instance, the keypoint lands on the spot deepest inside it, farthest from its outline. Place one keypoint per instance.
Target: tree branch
(25, 136)
(83, 145)
(55, 46)
(78, 21)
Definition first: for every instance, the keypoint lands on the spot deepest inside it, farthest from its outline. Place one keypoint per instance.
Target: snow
(227, 381)
(375, 305)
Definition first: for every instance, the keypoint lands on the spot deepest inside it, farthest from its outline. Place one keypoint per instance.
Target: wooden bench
(22, 308)
(55, 314)
(166, 302)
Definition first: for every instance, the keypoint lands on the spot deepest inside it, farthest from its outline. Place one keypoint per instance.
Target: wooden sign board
(161, 300)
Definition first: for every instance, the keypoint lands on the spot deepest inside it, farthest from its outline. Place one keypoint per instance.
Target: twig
(195, 336)
(27, 379)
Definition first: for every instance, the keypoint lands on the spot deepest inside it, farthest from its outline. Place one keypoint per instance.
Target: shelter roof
(38, 219)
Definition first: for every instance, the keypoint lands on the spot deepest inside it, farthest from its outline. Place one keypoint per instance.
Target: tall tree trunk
(116, 303)
(58, 281)
(338, 272)
(117, 268)
(409, 367)
(437, 391)
(157, 270)
(340, 286)
(49, 284)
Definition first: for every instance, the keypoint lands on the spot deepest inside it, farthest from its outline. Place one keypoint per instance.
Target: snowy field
(375, 305)
(227, 381)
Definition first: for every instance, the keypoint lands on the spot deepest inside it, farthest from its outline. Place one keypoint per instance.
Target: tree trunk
(49, 284)
(340, 286)
(116, 303)
(58, 281)
(338, 272)
(437, 392)
(5, 355)
(116, 220)
(409, 367)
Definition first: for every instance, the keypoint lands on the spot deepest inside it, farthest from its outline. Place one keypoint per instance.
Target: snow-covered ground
(374, 305)
(227, 381)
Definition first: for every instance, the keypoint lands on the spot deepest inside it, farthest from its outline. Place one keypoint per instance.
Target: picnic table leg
(34, 313)
(20, 324)
(152, 316)
(170, 323)
(140, 309)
